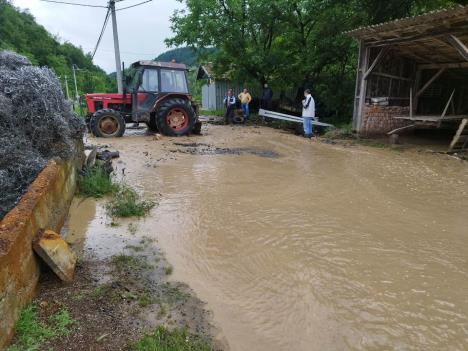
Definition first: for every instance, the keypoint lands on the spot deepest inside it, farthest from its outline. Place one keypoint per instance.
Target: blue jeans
(245, 110)
(308, 129)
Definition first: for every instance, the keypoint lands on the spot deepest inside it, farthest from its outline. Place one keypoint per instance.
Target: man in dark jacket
(230, 104)
(267, 96)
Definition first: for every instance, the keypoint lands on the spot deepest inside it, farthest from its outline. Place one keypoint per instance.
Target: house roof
(434, 37)
(207, 71)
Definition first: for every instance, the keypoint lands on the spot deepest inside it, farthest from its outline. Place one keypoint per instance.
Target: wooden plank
(443, 65)
(444, 113)
(432, 80)
(411, 126)
(459, 132)
(382, 52)
(458, 45)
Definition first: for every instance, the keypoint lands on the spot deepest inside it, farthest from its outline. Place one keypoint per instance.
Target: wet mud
(206, 149)
(326, 247)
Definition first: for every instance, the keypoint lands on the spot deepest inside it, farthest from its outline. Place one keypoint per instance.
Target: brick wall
(379, 119)
(44, 206)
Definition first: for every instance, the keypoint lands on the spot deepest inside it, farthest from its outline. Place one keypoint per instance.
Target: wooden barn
(215, 87)
(413, 73)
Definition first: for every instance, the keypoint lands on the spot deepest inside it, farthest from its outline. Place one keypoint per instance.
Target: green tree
(289, 43)
(19, 32)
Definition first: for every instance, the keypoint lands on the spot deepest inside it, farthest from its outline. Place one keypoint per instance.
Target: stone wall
(377, 120)
(44, 206)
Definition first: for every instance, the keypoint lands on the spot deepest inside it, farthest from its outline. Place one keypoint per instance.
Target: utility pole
(118, 67)
(74, 68)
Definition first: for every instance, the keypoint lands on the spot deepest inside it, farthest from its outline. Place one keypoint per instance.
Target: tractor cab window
(149, 81)
(173, 81)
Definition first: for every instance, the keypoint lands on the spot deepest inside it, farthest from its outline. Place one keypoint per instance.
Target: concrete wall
(378, 120)
(44, 206)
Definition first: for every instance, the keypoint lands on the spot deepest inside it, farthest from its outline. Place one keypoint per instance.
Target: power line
(128, 7)
(73, 3)
(102, 32)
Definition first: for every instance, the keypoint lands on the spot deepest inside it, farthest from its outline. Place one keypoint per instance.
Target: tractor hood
(107, 96)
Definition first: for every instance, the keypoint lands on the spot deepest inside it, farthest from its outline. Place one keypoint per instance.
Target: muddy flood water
(298, 245)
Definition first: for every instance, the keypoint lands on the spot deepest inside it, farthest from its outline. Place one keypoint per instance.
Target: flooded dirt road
(297, 245)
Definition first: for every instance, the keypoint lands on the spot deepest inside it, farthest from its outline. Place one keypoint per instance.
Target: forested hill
(185, 55)
(19, 32)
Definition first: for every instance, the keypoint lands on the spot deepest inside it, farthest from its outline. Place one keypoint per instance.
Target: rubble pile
(36, 125)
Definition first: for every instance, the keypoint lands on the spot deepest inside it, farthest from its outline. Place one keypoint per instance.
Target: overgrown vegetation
(96, 182)
(126, 202)
(177, 340)
(31, 332)
(19, 32)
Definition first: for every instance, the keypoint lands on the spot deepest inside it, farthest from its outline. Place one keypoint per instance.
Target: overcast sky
(142, 29)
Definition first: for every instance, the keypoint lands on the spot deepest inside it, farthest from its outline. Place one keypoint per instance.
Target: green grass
(126, 202)
(96, 182)
(219, 113)
(31, 333)
(164, 340)
(123, 261)
(168, 270)
(343, 131)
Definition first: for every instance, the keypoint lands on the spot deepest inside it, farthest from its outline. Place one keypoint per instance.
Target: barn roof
(436, 37)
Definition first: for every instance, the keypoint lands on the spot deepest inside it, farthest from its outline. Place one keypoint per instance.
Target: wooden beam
(460, 130)
(362, 84)
(434, 77)
(443, 65)
(447, 106)
(458, 45)
(382, 52)
(411, 126)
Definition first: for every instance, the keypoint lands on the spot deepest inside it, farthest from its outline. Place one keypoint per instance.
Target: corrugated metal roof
(458, 11)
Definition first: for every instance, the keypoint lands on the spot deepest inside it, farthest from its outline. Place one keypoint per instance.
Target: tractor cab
(149, 81)
(155, 93)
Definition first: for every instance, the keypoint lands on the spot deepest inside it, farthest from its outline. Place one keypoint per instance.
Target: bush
(177, 340)
(96, 182)
(127, 203)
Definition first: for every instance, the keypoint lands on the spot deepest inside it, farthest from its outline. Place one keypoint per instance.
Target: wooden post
(362, 84)
(417, 83)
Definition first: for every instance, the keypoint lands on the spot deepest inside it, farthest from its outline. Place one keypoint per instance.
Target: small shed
(413, 72)
(215, 87)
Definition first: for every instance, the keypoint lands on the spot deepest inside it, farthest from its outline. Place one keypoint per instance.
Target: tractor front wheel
(107, 123)
(175, 117)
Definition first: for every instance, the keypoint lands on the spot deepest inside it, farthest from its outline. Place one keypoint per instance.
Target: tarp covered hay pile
(36, 125)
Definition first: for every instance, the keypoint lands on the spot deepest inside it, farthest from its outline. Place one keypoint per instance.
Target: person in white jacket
(308, 113)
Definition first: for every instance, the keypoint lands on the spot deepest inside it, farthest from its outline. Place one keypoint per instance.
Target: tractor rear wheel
(175, 117)
(107, 123)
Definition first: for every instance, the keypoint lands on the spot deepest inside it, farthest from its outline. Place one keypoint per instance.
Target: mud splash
(323, 248)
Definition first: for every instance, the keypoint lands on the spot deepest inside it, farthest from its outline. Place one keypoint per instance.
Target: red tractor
(155, 93)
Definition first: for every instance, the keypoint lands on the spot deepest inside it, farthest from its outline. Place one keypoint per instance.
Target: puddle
(323, 248)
